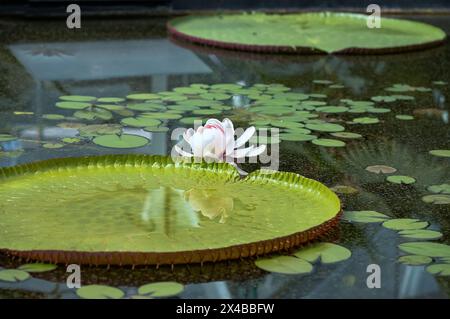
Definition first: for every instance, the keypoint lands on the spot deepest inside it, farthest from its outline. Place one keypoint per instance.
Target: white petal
(188, 134)
(256, 151)
(242, 152)
(245, 136)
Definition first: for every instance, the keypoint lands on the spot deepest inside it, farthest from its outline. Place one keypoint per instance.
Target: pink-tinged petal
(242, 152)
(245, 136)
(181, 152)
(256, 151)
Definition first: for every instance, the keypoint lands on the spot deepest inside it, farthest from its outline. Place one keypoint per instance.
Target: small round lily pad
(439, 269)
(52, 145)
(327, 252)
(285, 265)
(161, 289)
(344, 189)
(53, 117)
(140, 121)
(349, 135)
(143, 96)
(37, 267)
(404, 224)
(7, 138)
(121, 141)
(414, 260)
(439, 189)
(365, 216)
(99, 292)
(377, 169)
(440, 153)
(77, 98)
(404, 117)
(325, 127)
(73, 105)
(110, 99)
(13, 275)
(366, 120)
(296, 137)
(424, 234)
(327, 142)
(429, 249)
(438, 199)
(401, 179)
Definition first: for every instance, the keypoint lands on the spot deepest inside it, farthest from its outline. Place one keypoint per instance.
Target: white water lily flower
(215, 141)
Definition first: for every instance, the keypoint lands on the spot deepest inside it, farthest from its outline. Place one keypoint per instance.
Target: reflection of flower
(210, 203)
(215, 141)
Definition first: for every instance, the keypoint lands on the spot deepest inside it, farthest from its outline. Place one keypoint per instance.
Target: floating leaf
(206, 112)
(37, 267)
(414, 260)
(404, 117)
(121, 141)
(13, 275)
(440, 153)
(99, 292)
(215, 96)
(190, 90)
(327, 252)
(110, 99)
(404, 224)
(439, 269)
(143, 96)
(346, 135)
(285, 265)
(161, 116)
(366, 120)
(111, 107)
(159, 129)
(73, 105)
(401, 179)
(327, 142)
(71, 140)
(377, 169)
(52, 145)
(325, 127)
(7, 138)
(437, 199)
(378, 110)
(421, 234)
(296, 137)
(77, 98)
(161, 289)
(365, 216)
(191, 120)
(332, 109)
(439, 189)
(53, 117)
(94, 114)
(383, 98)
(426, 249)
(145, 106)
(140, 121)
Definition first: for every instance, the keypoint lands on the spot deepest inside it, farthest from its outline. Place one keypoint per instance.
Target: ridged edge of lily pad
(179, 257)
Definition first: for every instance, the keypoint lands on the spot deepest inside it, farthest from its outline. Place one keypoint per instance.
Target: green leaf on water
(404, 117)
(140, 121)
(346, 135)
(404, 224)
(440, 153)
(7, 138)
(365, 216)
(296, 137)
(99, 292)
(414, 260)
(284, 265)
(73, 105)
(143, 96)
(439, 269)
(439, 189)
(424, 234)
(327, 252)
(401, 179)
(161, 289)
(438, 199)
(77, 98)
(37, 267)
(327, 142)
(13, 275)
(377, 169)
(110, 99)
(53, 117)
(52, 145)
(121, 141)
(426, 249)
(325, 127)
(366, 120)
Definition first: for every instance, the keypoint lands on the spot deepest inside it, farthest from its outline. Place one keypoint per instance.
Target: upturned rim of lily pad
(246, 249)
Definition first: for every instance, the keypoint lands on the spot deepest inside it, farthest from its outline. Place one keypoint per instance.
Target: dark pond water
(42, 60)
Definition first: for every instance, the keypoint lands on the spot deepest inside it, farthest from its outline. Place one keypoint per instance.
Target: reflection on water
(106, 61)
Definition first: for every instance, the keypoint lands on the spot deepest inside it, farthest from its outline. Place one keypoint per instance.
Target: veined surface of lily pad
(138, 209)
(414, 260)
(420, 234)
(73, 105)
(401, 179)
(439, 269)
(404, 224)
(323, 31)
(437, 199)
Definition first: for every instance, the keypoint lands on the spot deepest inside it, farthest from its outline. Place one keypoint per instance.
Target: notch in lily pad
(161, 289)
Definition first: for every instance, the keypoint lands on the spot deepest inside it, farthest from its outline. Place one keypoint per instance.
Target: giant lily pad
(139, 209)
(304, 32)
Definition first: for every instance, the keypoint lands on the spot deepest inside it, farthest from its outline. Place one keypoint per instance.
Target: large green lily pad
(324, 32)
(139, 209)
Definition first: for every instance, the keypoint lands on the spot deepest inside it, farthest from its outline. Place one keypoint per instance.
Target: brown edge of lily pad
(173, 32)
(156, 258)
(171, 258)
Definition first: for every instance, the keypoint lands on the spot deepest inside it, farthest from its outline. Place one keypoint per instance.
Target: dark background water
(41, 60)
